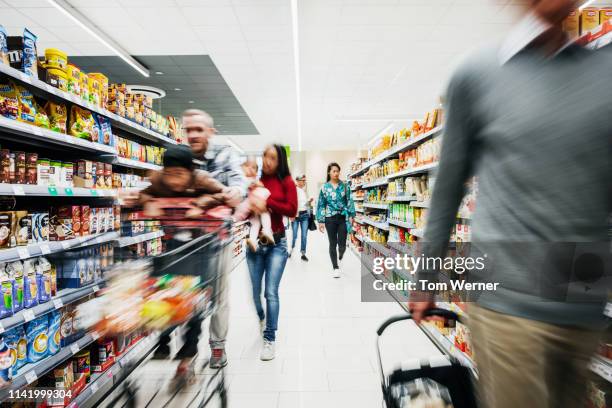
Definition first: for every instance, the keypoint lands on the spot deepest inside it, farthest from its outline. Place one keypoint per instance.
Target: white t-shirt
(302, 199)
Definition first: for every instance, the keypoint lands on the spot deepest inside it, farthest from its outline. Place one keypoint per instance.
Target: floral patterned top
(335, 201)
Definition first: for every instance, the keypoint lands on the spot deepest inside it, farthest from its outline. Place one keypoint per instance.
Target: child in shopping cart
(179, 178)
(261, 225)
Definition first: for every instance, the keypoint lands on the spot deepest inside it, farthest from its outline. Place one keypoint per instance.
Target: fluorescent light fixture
(296, 64)
(379, 134)
(69, 11)
(177, 89)
(191, 102)
(376, 120)
(234, 145)
(159, 73)
(587, 4)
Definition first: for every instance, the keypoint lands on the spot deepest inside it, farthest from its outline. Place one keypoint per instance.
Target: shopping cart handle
(447, 314)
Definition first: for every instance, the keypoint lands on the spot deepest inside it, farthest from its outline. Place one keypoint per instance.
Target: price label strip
(58, 303)
(18, 190)
(74, 348)
(44, 248)
(23, 253)
(31, 376)
(68, 191)
(65, 244)
(94, 387)
(28, 315)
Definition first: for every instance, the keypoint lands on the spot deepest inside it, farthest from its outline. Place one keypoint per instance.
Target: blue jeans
(301, 221)
(269, 262)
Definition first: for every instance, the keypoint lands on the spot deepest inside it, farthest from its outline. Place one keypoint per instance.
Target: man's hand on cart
(419, 303)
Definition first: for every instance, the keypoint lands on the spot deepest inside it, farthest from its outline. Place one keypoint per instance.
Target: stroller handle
(447, 314)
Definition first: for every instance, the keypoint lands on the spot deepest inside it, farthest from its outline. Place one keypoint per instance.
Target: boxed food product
(6, 291)
(43, 167)
(20, 167)
(74, 79)
(31, 168)
(57, 78)
(61, 225)
(85, 214)
(117, 217)
(106, 132)
(58, 116)
(571, 25)
(93, 221)
(84, 177)
(9, 100)
(6, 225)
(36, 334)
(85, 86)
(108, 175)
(82, 124)
(605, 14)
(102, 220)
(67, 323)
(99, 180)
(82, 363)
(589, 19)
(24, 228)
(5, 166)
(30, 284)
(64, 375)
(72, 270)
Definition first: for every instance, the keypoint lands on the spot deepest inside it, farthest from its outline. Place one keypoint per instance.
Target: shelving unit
(399, 199)
(382, 225)
(376, 206)
(51, 191)
(121, 161)
(381, 182)
(127, 241)
(420, 204)
(401, 224)
(416, 170)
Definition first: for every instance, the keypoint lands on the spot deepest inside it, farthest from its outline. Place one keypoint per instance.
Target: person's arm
(321, 205)
(287, 207)
(455, 167)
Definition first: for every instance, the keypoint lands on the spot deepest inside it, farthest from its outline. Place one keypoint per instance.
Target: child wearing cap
(179, 178)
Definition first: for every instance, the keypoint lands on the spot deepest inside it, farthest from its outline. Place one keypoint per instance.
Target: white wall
(314, 165)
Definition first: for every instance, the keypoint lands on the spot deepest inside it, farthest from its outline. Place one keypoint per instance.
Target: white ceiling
(359, 59)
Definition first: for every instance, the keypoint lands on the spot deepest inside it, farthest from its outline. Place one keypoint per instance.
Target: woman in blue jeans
(301, 220)
(267, 264)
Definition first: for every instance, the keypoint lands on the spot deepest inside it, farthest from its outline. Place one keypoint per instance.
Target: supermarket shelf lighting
(69, 11)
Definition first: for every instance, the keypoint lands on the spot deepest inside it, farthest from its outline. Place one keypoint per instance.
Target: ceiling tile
(263, 15)
(210, 16)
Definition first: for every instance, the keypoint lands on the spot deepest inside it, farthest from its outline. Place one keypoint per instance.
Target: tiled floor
(325, 344)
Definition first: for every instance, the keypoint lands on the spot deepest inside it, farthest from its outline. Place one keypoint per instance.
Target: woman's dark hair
(282, 170)
(329, 167)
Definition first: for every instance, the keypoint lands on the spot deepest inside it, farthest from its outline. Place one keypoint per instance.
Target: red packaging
(85, 213)
(73, 213)
(5, 165)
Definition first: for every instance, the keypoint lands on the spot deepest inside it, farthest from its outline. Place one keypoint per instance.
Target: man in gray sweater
(532, 120)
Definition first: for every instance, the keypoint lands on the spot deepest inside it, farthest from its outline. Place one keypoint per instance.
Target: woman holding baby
(267, 260)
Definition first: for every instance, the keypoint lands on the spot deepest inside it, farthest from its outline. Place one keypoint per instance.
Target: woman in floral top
(335, 210)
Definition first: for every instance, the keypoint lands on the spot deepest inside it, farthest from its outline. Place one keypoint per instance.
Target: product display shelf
(33, 371)
(358, 198)
(376, 206)
(418, 232)
(356, 187)
(378, 247)
(397, 149)
(380, 182)
(420, 204)
(399, 199)
(449, 346)
(600, 42)
(50, 191)
(40, 135)
(402, 224)
(63, 297)
(135, 164)
(602, 366)
(360, 210)
(127, 241)
(452, 307)
(360, 221)
(103, 383)
(415, 170)
(49, 247)
(117, 120)
(359, 238)
(380, 225)
(398, 246)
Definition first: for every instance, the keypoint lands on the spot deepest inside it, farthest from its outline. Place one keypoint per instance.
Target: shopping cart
(444, 381)
(193, 248)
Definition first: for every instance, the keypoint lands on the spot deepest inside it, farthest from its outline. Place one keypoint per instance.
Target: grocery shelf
(452, 307)
(117, 120)
(359, 238)
(31, 372)
(377, 206)
(415, 170)
(420, 204)
(358, 199)
(359, 210)
(398, 246)
(600, 42)
(102, 383)
(449, 346)
(356, 187)
(359, 221)
(127, 241)
(602, 366)
(49, 247)
(381, 225)
(402, 224)
(401, 198)
(63, 297)
(49, 191)
(380, 182)
(378, 246)
(48, 136)
(397, 149)
(135, 164)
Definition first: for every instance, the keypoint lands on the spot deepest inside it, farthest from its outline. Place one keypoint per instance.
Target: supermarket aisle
(325, 343)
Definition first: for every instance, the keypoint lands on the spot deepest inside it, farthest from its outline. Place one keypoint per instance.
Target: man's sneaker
(336, 273)
(304, 257)
(218, 358)
(267, 351)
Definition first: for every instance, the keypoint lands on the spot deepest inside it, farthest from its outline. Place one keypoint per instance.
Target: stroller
(445, 383)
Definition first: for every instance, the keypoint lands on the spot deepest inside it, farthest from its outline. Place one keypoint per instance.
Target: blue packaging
(54, 333)
(72, 272)
(38, 339)
(43, 280)
(15, 273)
(30, 285)
(6, 290)
(106, 133)
(29, 58)
(15, 339)
(6, 362)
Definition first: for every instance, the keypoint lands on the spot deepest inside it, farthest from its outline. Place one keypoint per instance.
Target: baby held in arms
(259, 223)
(180, 178)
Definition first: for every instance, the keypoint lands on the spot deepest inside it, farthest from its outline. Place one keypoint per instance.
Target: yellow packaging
(571, 25)
(55, 58)
(84, 86)
(94, 90)
(103, 81)
(73, 74)
(605, 14)
(589, 19)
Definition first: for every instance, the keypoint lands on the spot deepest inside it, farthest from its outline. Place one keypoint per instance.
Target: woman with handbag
(335, 210)
(302, 219)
